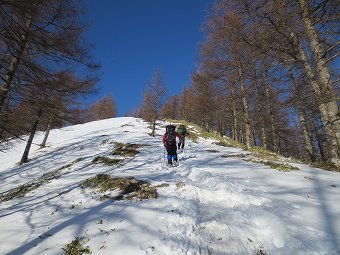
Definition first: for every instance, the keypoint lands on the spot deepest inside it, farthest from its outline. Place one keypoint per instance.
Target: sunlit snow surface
(227, 206)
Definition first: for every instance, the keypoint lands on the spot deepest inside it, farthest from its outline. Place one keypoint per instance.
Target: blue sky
(134, 37)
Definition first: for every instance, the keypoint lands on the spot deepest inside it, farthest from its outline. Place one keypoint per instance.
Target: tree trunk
(5, 88)
(153, 124)
(307, 136)
(260, 113)
(24, 157)
(241, 132)
(306, 133)
(234, 134)
(183, 105)
(4, 121)
(47, 132)
(271, 110)
(328, 111)
(321, 147)
(254, 137)
(234, 115)
(153, 129)
(328, 107)
(248, 136)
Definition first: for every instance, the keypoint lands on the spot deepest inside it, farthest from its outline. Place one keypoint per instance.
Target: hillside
(214, 202)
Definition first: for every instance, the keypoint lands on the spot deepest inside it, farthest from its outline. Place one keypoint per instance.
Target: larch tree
(153, 99)
(41, 44)
(42, 100)
(170, 108)
(313, 15)
(103, 109)
(305, 33)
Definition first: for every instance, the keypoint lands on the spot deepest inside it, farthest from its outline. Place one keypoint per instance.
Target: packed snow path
(213, 204)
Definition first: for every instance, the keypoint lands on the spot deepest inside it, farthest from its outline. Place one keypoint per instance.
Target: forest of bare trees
(268, 76)
(42, 51)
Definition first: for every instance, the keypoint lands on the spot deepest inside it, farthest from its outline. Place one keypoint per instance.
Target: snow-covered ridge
(225, 205)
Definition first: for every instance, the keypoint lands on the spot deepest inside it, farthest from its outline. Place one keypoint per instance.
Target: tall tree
(310, 15)
(153, 99)
(41, 41)
(42, 100)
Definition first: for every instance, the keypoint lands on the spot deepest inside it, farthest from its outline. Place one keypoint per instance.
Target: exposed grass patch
(220, 140)
(241, 155)
(281, 167)
(22, 190)
(127, 150)
(162, 185)
(77, 247)
(225, 141)
(275, 165)
(212, 151)
(121, 149)
(107, 161)
(129, 187)
(103, 182)
(127, 125)
(326, 166)
(262, 153)
(144, 191)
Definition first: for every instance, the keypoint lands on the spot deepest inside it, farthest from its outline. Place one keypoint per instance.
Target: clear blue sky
(134, 37)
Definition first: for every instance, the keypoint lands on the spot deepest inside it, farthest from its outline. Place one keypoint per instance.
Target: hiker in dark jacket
(169, 141)
(182, 131)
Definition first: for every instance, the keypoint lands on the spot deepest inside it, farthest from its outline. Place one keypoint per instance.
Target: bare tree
(328, 102)
(41, 44)
(42, 100)
(153, 99)
(103, 109)
(171, 108)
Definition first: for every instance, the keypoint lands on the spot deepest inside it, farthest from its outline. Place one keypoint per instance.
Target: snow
(226, 206)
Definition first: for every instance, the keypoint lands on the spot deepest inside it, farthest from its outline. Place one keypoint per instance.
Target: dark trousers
(172, 153)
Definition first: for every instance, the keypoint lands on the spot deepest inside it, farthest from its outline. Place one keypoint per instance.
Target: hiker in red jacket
(169, 141)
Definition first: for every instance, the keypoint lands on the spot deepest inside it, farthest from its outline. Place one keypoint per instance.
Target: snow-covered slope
(213, 204)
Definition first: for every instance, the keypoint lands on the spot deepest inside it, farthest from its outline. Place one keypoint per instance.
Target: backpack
(182, 130)
(170, 137)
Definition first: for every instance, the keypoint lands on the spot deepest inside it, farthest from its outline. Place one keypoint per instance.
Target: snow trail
(213, 205)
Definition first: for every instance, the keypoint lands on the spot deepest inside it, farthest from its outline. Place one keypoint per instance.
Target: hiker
(169, 141)
(182, 131)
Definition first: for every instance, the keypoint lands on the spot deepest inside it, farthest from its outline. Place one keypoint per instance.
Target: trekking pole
(164, 155)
